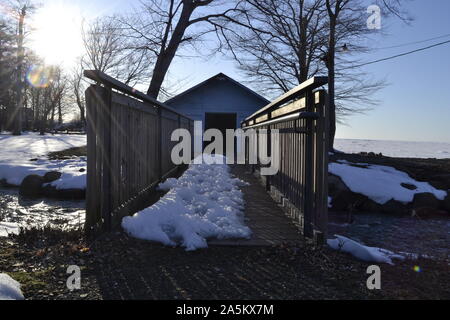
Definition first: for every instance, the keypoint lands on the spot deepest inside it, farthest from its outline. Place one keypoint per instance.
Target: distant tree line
(33, 95)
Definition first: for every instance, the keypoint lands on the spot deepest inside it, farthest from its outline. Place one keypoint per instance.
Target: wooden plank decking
(269, 224)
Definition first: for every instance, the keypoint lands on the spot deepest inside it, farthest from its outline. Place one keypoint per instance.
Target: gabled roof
(217, 76)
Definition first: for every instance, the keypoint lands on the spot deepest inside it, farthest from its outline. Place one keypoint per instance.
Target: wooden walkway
(269, 224)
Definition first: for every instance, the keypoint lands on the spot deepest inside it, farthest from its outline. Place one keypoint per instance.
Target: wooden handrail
(310, 84)
(110, 82)
(293, 116)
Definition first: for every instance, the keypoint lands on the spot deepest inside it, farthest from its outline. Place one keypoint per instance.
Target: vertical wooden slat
(309, 168)
(159, 142)
(321, 214)
(92, 204)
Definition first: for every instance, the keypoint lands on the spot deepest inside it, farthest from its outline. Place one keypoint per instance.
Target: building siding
(218, 96)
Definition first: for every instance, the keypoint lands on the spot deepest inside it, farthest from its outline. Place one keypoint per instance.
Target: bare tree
(162, 27)
(108, 51)
(78, 92)
(279, 42)
(347, 21)
(48, 99)
(7, 71)
(21, 10)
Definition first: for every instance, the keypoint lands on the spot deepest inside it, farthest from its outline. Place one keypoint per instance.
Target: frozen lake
(399, 149)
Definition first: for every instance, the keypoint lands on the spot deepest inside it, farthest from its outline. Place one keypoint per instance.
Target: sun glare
(56, 35)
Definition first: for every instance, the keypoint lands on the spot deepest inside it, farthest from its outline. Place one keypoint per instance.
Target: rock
(409, 186)
(347, 200)
(440, 184)
(428, 213)
(422, 200)
(52, 176)
(371, 206)
(336, 185)
(4, 183)
(394, 207)
(446, 203)
(66, 194)
(31, 186)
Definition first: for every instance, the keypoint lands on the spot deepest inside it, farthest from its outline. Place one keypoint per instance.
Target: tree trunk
(52, 117)
(60, 117)
(167, 54)
(17, 115)
(80, 106)
(331, 81)
(83, 116)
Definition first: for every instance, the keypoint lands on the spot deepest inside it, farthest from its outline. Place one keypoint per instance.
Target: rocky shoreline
(424, 205)
(35, 186)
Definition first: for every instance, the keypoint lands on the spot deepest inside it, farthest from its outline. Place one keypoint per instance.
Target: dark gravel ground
(119, 267)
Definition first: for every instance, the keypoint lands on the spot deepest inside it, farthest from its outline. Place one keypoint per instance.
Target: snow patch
(204, 203)
(8, 228)
(9, 288)
(381, 183)
(16, 153)
(362, 252)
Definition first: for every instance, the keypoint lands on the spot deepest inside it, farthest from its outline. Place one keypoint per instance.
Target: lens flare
(39, 76)
(417, 269)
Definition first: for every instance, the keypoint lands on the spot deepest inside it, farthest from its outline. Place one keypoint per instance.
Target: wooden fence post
(93, 216)
(321, 184)
(269, 154)
(105, 143)
(309, 169)
(159, 143)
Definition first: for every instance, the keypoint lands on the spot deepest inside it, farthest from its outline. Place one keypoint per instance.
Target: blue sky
(414, 107)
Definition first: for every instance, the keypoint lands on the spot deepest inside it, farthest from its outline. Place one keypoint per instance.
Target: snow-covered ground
(9, 288)
(381, 183)
(16, 213)
(16, 153)
(204, 203)
(400, 149)
(362, 252)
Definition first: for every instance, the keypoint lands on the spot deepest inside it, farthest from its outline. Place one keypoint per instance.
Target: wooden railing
(129, 149)
(301, 184)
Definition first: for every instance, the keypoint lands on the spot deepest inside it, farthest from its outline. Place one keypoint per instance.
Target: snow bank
(364, 253)
(16, 153)
(7, 228)
(204, 203)
(381, 183)
(9, 288)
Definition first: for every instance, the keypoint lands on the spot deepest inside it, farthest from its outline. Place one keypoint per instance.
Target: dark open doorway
(222, 122)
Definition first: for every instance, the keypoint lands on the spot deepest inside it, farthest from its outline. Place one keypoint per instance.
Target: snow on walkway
(17, 151)
(9, 288)
(381, 183)
(362, 252)
(204, 203)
